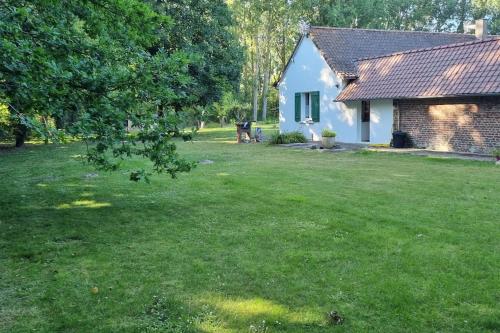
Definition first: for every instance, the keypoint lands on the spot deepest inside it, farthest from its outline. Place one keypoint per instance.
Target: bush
(290, 137)
(5, 123)
(328, 133)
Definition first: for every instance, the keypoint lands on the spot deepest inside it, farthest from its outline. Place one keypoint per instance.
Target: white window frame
(306, 115)
(307, 105)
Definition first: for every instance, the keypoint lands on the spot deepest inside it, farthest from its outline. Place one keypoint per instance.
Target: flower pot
(328, 142)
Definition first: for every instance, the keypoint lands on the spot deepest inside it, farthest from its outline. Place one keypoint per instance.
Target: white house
(323, 64)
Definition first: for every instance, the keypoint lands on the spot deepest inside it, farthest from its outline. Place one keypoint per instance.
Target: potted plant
(328, 138)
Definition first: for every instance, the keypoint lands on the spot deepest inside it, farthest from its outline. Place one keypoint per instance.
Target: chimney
(481, 29)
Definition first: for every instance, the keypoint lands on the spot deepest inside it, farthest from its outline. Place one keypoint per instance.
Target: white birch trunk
(256, 80)
(265, 91)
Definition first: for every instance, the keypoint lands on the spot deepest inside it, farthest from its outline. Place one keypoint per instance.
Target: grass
(265, 239)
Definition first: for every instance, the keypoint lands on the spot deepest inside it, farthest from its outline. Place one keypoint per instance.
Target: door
(365, 121)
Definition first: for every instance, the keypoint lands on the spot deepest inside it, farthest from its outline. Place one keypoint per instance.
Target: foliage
(230, 106)
(89, 66)
(444, 15)
(496, 152)
(203, 28)
(5, 122)
(195, 116)
(489, 9)
(289, 137)
(328, 133)
(210, 240)
(240, 112)
(268, 31)
(219, 57)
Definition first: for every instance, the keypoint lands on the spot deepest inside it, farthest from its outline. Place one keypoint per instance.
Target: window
(365, 121)
(365, 111)
(307, 106)
(307, 110)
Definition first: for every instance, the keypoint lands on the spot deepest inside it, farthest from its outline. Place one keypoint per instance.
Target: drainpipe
(399, 118)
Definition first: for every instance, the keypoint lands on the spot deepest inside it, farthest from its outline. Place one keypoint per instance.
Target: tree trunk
(283, 37)
(461, 16)
(46, 128)
(256, 80)
(267, 67)
(59, 122)
(21, 132)
(264, 95)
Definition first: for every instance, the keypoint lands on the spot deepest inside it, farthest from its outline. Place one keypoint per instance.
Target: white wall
(308, 71)
(381, 121)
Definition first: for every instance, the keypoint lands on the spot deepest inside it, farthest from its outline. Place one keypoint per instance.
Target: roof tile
(342, 46)
(471, 68)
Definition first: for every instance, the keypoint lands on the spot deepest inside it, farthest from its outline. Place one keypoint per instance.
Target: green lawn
(394, 243)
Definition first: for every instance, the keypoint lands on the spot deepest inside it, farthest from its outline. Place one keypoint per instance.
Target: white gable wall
(308, 71)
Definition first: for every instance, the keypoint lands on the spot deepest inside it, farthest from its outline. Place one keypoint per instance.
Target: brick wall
(469, 124)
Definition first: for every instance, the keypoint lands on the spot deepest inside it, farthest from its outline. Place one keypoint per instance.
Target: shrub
(496, 152)
(290, 137)
(5, 122)
(328, 133)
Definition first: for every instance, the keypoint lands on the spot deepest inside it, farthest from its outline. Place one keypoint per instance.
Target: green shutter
(297, 107)
(315, 106)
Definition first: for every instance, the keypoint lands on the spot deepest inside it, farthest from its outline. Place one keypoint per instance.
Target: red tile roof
(471, 68)
(342, 46)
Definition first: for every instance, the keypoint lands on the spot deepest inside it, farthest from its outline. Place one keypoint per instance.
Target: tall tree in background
(489, 9)
(267, 30)
(204, 29)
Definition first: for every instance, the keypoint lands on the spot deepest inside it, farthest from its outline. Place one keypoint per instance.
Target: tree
(489, 9)
(204, 29)
(267, 30)
(101, 63)
(196, 115)
(227, 105)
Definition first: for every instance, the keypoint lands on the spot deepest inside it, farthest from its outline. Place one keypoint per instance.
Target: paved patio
(434, 153)
(342, 146)
(317, 145)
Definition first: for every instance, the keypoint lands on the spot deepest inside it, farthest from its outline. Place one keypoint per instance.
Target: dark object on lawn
(259, 136)
(496, 154)
(334, 318)
(244, 131)
(399, 139)
(21, 133)
(187, 137)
